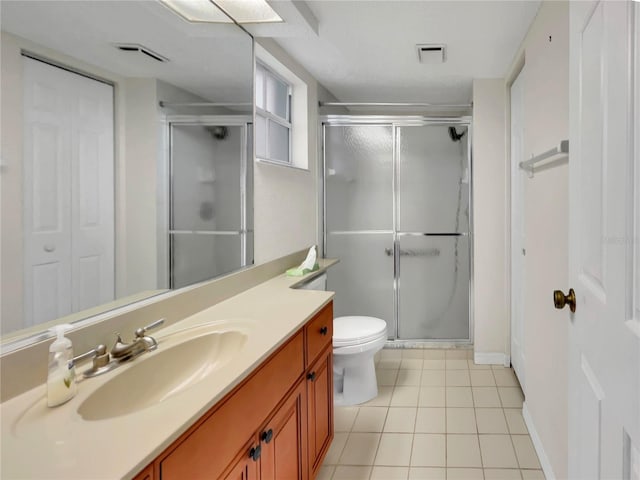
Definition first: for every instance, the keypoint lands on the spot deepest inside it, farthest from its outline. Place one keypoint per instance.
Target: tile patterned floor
(437, 416)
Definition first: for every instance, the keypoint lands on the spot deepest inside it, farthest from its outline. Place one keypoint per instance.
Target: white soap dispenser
(61, 382)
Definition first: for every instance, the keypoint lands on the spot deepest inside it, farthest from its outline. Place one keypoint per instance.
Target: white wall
(286, 198)
(546, 204)
(489, 221)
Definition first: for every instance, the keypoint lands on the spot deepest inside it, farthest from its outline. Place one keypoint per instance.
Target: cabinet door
(320, 409)
(283, 439)
(245, 466)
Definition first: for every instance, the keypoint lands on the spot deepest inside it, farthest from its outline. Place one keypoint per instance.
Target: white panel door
(604, 363)
(517, 229)
(68, 192)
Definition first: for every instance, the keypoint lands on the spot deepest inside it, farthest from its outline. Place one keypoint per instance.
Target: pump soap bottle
(61, 382)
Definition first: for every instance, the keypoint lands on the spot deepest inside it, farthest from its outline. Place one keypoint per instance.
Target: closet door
(68, 192)
(359, 219)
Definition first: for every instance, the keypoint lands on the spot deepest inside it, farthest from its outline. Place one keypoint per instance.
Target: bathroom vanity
(277, 424)
(241, 390)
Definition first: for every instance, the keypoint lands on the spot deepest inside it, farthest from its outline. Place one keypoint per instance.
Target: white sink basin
(153, 377)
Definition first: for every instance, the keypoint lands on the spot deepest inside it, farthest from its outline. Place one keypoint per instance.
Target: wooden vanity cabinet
(276, 425)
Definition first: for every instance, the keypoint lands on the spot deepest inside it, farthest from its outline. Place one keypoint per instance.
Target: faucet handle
(141, 332)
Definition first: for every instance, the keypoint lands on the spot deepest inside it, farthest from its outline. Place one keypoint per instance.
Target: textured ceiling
(364, 51)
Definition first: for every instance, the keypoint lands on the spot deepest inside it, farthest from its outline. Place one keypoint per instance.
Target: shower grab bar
(429, 252)
(421, 234)
(209, 232)
(562, 149)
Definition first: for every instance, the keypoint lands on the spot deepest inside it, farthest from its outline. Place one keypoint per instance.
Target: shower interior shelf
(559, 153)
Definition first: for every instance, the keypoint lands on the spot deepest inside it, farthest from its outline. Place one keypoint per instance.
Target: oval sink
(159, 375)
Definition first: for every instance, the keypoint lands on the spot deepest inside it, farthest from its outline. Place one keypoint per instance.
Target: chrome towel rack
(560, 152)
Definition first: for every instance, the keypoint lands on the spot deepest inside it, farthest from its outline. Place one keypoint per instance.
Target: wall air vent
(431, 53)
(137, 48)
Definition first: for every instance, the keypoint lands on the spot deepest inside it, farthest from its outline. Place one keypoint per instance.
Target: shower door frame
(396, 121)
(243, 121)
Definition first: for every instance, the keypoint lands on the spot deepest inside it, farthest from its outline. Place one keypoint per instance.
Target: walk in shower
(397, 215)
(211, 221)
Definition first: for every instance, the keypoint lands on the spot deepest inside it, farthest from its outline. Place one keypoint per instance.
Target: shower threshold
(429, 344)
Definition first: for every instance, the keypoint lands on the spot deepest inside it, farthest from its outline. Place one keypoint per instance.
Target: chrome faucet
(142, 343)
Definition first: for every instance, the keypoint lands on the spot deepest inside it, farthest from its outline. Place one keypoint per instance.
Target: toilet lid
(355, 330)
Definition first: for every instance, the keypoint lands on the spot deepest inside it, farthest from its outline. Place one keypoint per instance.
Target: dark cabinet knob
(267, 436)
(311, 376)
(254, 453)
(324, 330)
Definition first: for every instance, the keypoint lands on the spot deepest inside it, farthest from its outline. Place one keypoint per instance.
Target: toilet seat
(357, 330)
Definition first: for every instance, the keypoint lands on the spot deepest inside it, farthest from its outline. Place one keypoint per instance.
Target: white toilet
(355, 341)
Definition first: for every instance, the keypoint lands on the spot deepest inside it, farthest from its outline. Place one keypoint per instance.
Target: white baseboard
(491, 359)
(537, 443)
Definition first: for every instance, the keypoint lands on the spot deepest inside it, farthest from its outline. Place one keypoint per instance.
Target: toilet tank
(316, 283)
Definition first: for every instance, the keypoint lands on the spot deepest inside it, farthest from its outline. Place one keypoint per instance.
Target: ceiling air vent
(430, 53)
(136, 47)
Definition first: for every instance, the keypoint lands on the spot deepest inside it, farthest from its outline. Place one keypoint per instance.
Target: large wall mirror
(126, 164)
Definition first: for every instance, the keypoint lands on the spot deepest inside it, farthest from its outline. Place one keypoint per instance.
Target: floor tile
(515, 421)
(486, 397)
(477, 366)
(433, 378)
(390, 473)
(325, 472)
(433, 364)
(335, 450)
(394, 450)
(413, 353)
(427, 473)
(482, 378)
(411, 363)
(405, 396)
(351, 473)
(386, 376)
(360, 449)
(431, 397)
(497, 451)
(383, 398)
(458, 378)
(400, 420)
(461, 420)
(390, 354)
(491, 420)
(459, 397)
(463, 451)
(408, 377)
(370, 419)
(433, 354)
(457, 353)
(506, 378)
(511, 397)
(456, 364)
(389, 363)
(428, 450)
(526, 453)
(464, 474)
(343, 418)
(532, 474)
(502, 474)
(431, 420)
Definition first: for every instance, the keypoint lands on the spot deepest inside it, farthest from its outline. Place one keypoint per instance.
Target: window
(273, 116)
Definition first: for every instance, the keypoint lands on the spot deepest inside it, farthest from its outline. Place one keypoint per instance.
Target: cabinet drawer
(208, 449)
(319, 332)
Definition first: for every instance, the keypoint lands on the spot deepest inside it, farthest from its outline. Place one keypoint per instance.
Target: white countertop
(40, 442)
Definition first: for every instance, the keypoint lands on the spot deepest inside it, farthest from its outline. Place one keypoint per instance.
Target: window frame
(270, 117)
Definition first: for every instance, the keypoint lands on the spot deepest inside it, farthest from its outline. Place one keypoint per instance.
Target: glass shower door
(359, 219)
(432, 232)
(209, 218)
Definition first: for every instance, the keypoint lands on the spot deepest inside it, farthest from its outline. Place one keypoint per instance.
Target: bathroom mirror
(126, 156)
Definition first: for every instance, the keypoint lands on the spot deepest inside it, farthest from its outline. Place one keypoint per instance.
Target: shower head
(218, 132)
(454, 135)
